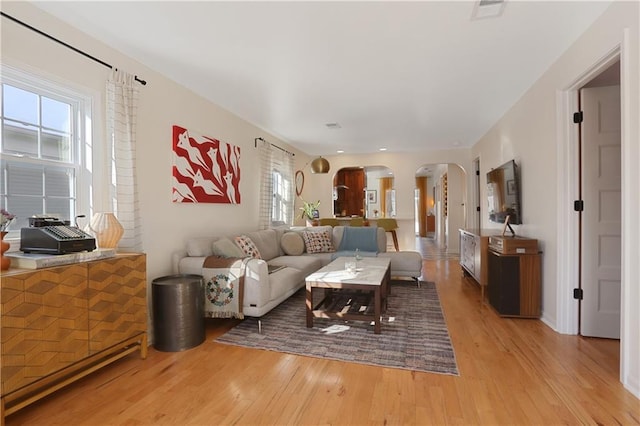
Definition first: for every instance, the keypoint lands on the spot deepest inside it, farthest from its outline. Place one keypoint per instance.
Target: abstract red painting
(205, 170)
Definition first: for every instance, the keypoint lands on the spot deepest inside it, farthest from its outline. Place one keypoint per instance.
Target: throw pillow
(292, 244)
(318, 242)
(248, 246)
(224, 247)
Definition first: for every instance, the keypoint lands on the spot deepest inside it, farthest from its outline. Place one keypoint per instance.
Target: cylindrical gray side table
(178, 312)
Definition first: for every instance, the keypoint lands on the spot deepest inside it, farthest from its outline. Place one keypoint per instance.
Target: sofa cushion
(248, 246)
(266, 240)
(284, 281)
(292, 244)
(405, 263)
(197, 247)
(224, 247)
(305, 263)
(318, 241)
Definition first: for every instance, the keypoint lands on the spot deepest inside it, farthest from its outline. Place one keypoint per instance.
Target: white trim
(567, 274)
(630, 228)
(568, 183)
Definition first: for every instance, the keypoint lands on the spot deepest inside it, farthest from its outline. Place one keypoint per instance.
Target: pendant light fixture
(320, 165)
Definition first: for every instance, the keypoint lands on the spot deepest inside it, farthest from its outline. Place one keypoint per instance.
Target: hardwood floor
(512, 371)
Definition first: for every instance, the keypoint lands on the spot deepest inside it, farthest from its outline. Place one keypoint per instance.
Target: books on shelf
(38, 260)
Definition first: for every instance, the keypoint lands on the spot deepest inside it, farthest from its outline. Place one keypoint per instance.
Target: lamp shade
(320, 165)
(107, 229)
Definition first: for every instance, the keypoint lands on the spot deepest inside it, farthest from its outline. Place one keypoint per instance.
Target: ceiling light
(340, 151)
(320, 165)
(382, 149)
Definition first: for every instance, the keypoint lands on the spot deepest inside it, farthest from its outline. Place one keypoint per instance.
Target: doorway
(440, 206)
(600, 242)
(477, 222)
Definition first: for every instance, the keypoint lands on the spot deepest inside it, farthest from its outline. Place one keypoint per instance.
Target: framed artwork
(511, 187)
(205, 170)
(372, 196)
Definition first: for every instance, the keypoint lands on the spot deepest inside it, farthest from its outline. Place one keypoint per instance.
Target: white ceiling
(408, 76)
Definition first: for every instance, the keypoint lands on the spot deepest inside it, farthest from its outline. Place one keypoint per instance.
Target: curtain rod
(75, 49)
(275, 146)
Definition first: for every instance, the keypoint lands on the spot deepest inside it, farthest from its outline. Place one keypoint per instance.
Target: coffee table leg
(309, 306)
(377, 310)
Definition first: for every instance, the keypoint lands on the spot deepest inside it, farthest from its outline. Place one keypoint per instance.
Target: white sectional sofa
(279, 247)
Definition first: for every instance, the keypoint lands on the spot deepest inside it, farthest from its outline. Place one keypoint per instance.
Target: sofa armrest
(175, 260)
(257, 291)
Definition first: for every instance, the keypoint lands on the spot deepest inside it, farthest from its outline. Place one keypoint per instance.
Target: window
(281, 210)
(44, 141)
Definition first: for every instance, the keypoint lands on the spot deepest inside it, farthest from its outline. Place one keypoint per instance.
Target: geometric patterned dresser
(59, 324)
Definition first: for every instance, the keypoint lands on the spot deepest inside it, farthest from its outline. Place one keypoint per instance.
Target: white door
(601, 219)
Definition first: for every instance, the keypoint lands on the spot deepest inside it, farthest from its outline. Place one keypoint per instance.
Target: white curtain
(122, 107)
(286, 168)
(265, 152)
(274, 159)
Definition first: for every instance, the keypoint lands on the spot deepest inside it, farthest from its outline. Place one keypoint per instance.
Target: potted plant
(310, 212)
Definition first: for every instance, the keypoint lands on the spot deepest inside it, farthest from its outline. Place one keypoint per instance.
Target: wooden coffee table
(371, 279)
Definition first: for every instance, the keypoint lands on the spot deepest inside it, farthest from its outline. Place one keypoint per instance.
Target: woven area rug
(414, 333)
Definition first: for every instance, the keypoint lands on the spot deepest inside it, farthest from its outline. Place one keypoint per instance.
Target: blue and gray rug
(414, 333)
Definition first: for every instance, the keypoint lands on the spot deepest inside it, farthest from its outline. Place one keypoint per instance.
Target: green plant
(308, 209)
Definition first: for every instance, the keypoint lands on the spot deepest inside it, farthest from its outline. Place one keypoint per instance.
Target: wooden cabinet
(60, 324)
(473, 255)
(349, 200)
(431, 223)
(514, 284)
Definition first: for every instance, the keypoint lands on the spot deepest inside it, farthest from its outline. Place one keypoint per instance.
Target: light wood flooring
(512, 372)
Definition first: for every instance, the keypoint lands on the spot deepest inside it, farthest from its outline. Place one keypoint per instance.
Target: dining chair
(390, 225)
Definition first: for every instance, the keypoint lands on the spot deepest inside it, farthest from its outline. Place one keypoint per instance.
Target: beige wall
(531, 132)
(404, 167)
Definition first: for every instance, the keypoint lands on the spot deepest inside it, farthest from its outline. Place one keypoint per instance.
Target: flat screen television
(503, 194)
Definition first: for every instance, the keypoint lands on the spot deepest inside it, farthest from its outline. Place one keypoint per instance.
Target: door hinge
(578, 293)
(478, 208)
(578, 205)
(578, 117)
(477, 172)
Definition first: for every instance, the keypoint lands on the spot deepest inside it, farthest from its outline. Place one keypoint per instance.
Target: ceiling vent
(488, 9)
(333, 125)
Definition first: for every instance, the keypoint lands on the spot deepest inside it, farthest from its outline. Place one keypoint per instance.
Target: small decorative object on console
(5, 220)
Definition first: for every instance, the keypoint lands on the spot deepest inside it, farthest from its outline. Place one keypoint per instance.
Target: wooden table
(372, 276)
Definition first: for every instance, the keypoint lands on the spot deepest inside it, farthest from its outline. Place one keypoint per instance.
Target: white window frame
(282, 206)
(82, 101)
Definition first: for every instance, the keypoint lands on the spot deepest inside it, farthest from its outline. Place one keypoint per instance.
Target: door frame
(568, 313)
(567, 221)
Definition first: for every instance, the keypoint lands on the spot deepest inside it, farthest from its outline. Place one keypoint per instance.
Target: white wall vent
(488, 9)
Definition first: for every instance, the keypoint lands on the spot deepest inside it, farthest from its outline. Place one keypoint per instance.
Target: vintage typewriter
(52, 236)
